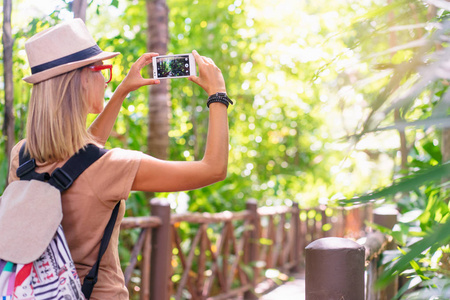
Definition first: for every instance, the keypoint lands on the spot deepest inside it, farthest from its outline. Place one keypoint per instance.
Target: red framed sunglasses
(105, 69)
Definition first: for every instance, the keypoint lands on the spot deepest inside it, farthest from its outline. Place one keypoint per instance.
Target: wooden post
(161, 251)
(146, 266)
(312, 226)
(324, 221)
(302, 239)
(386, 216)
(375, 243)
(79, 8)
(8, 117)
(252, 249)
(295, 227)
(334, 269)
(340, 223)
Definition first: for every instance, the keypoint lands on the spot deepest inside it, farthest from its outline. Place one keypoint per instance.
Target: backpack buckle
(90, 280)
(26, 167)
(60, 179)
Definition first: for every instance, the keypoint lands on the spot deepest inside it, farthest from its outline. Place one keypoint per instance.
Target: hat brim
(47, 74)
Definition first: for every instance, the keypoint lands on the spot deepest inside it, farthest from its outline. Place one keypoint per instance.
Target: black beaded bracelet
(226, 103)
(219, 97)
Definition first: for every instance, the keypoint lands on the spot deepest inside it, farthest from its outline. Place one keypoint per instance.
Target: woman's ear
(84, 78)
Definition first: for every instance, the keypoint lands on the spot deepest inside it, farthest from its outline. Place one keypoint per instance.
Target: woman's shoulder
(16, 149)
(117, 159)
(122, 154)
(14, 161)
(111, 177)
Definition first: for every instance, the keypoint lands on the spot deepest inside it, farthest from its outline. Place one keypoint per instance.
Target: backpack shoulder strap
(91, 278)
(61, 178)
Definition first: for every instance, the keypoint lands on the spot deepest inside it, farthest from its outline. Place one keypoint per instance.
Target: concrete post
(334, 270)
(161, 251)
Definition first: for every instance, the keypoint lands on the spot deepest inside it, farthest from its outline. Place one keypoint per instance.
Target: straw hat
(60, 49)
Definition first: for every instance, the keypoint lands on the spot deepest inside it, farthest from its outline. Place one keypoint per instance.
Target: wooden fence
(375, 243)
(227, 254)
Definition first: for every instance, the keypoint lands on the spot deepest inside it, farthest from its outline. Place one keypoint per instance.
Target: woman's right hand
(210, 77)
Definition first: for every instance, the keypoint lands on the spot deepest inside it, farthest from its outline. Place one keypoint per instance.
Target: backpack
(35, 261)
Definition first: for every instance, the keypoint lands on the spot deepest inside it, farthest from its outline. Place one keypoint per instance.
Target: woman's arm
(168, 176)
(103, 124)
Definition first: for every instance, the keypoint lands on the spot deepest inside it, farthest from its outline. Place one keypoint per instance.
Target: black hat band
(80, 55)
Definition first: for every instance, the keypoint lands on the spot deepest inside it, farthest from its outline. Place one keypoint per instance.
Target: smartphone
(173, 66)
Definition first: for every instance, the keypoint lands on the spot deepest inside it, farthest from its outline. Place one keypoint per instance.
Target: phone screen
(172, 66)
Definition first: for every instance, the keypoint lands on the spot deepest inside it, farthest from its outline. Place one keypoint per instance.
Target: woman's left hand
(134, 79)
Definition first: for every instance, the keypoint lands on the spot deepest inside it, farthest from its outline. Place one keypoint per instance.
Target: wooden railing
(375, 244)
(222, 255)
(143, 245)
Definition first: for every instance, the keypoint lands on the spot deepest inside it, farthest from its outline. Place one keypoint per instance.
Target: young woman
(66, 66)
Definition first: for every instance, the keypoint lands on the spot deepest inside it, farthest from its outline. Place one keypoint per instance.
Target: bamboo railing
(225, 255)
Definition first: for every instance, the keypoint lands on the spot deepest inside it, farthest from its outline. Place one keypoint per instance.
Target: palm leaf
(408, 183)
(382, 10)
(437, 122)
(413, 44)
(439, 235)
(430, 72)
(439, 3)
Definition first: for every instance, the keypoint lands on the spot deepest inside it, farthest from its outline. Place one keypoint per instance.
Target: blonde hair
(56, 126)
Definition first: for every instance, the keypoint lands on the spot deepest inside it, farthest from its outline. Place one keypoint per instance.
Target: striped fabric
(51, 276)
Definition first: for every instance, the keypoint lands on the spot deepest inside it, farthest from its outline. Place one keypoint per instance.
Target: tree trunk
(403, 146)
(8, 125)
(158, 36)
(445, 150)
(79, 8)
(445, 146)
(445, 143)
(397, 117)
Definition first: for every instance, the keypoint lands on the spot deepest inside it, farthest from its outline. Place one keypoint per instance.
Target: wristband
(226, 103)
(219, 97)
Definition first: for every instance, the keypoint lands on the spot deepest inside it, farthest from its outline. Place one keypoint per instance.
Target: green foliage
(316, 86)
(282, 146)
(417, 92)
(407, 183)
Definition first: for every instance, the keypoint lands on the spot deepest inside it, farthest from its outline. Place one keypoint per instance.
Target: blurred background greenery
(290, 67)
(334, 100)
